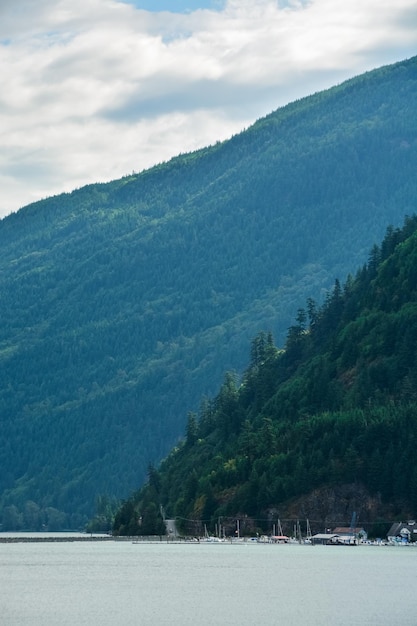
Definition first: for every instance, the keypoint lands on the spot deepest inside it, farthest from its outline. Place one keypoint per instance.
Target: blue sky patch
(176, 6)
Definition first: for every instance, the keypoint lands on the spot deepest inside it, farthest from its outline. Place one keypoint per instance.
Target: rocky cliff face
(329, 507)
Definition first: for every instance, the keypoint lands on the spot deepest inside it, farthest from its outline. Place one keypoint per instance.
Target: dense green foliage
(338, 405)
(123, 304)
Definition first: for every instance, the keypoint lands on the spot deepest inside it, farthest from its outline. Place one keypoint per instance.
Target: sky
(93, 90)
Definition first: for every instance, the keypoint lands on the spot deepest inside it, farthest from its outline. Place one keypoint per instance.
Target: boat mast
(300, 539)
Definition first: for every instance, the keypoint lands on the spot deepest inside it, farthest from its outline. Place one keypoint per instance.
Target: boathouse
(324, 539)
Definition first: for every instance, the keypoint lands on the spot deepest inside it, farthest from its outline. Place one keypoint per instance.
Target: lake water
(121, 583)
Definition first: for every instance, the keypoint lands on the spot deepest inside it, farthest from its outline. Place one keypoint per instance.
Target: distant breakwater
(44, 539)
(67, 538)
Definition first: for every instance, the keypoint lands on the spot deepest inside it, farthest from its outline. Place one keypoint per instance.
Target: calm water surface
(120, 583)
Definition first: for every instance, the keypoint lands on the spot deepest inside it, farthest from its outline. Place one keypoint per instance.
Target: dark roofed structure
(403, 531)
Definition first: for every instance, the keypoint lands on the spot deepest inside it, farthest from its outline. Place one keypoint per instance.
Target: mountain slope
(331, 421)
(123, 304)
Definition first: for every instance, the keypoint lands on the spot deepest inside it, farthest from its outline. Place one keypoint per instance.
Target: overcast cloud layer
(95, 89)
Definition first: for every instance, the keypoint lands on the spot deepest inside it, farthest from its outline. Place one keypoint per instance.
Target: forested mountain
(123, 304)
(335, 413)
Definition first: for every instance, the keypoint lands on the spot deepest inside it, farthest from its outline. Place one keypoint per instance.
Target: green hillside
(335, 412)
(123, 304)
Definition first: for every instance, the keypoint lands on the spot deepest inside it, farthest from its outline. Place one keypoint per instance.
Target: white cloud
(93, 89)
